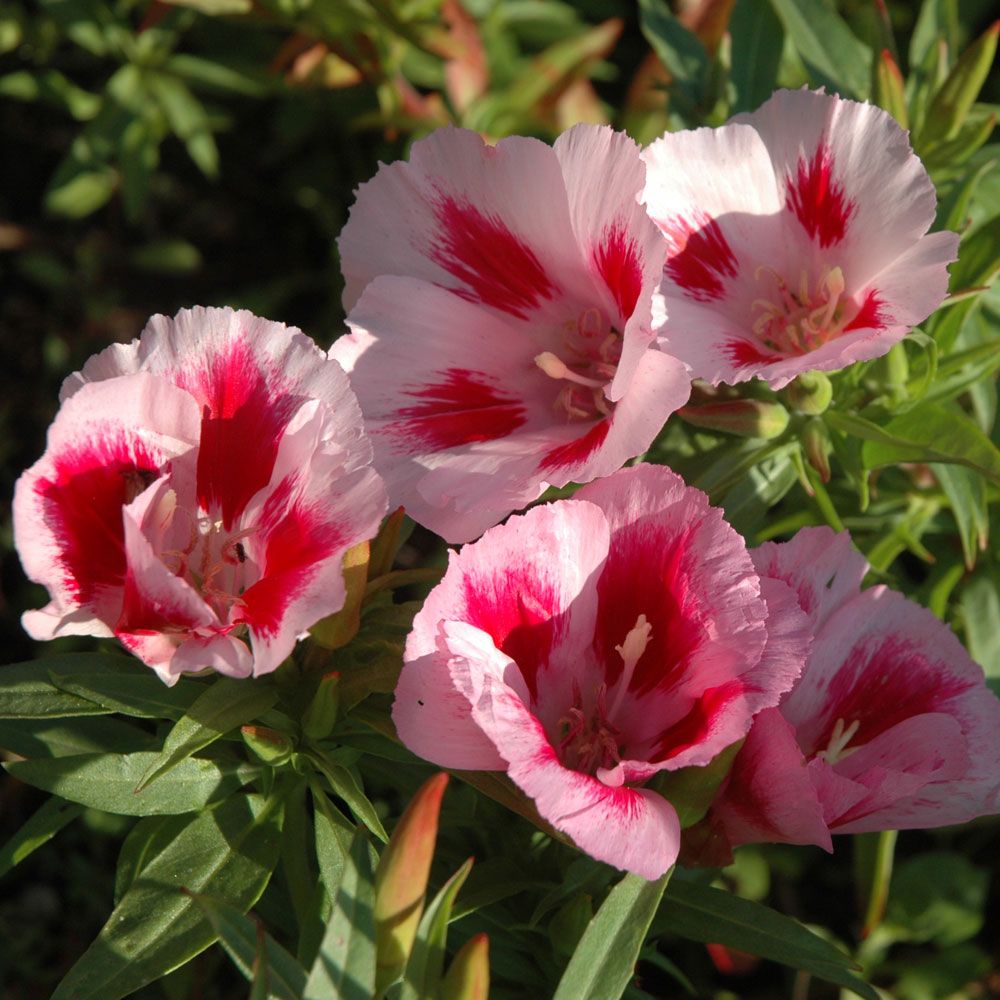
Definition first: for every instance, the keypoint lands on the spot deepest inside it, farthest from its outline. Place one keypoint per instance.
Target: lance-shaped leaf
(228, 703)
(345, 965)
(340, 628)
(952, 103)
(107, 781)
(346, 786)
(32, 690)
(468, 975)
(63, 737)
(246, 943)
(401, 879)
(40, 829)
(757, 57)
(422, 976)
(228, 853)
(604, 960)
(701, 913)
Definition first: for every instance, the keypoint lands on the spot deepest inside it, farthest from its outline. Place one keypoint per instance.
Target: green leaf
(953, 208)
(215, 8)
(145, 840)
(757, 54)
(425, 966)
(345, 785)
(228, 853)
(952, 103)
(701, 913)
(833, 56)
(108, 781)
(604, 960)
(929, 432)
(680, 51)
(63, 738)
(228, 703)
(40, 829)
(334, 835)
(188, 120)
(51, 87)
(966, 492)
(240, 935)
(345, 966)
(937, 19)
(980, 607)
(122, 684)
(249, 81)
(81, 193)
(28, 691)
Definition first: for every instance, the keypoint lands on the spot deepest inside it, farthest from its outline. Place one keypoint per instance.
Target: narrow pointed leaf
(424, 968)
(40, 829)
(62, 737)
(31, 690)
(701, 913)
(107, 781)
(345, 966)
(757, 56)
(345, 785)
(241, 936)
(228, 703)
(604, 960)
(228, 853)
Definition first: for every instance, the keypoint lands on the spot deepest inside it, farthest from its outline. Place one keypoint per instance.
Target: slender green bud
(753, 418)
(468, 975)
(321, 715)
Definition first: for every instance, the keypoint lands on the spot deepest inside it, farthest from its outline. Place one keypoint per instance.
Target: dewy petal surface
(589, 644)
(199, 490)
(796, 239)
(501, 315)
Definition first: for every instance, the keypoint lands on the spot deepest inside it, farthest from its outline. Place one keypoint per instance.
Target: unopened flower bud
(816, 445)
(810, 393)
(267, 744)
(746, 417)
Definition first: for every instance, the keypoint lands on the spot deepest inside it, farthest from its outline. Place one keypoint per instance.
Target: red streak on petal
(83, 507)
(870, 315)
(617, 259)
(244, 413)
(462, 409)
(883, 682)
(577, 451)
(146, 615)
(746, 354)
(698, 256)
(297, 538)
(698, 723)
(649, 571)
(498, 268)
(817, 200)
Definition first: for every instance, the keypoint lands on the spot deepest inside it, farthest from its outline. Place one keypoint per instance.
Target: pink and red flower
(796, 239)
(590, 644)
(198, 492)
(503, 338)
(890, 726)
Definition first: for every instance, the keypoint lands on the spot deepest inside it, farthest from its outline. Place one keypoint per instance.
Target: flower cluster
(524, 316)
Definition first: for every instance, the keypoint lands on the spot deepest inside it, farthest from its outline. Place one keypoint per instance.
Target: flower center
(796, 322)
(840, 737)
(590, 354)
(589, 741)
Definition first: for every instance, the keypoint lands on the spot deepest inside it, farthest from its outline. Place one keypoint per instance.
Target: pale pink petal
(822, 568)
(107, 444)
(633, 829)
(539, 611)
(225, 654)
(769, 796)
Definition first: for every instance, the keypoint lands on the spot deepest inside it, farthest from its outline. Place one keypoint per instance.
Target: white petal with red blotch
(445, 385)
(633, 829)
(769, 796)
(530, 585)
(490, 222)
(674, 559)
(850, 180)
(249, 376)
(823, 568)
(318, 504)
(621, 247)
(106, 444)
(713, 195)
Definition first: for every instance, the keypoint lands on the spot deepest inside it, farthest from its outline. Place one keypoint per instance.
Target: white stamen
(631, 651)
(836, 749)
(556, 368)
